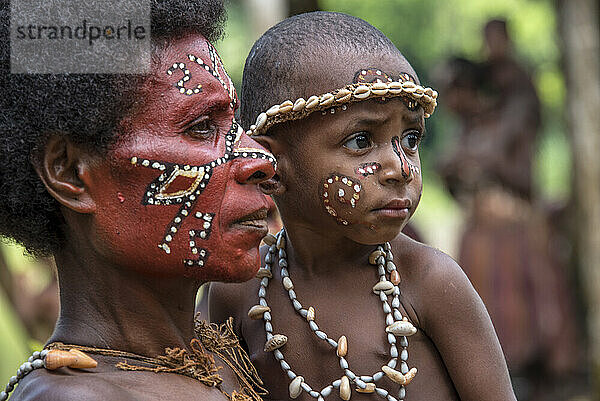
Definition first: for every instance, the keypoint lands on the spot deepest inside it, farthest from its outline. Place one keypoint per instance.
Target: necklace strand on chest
(397, 330)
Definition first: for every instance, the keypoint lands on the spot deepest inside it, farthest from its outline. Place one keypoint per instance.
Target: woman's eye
(411, 141)
(358, 142)
(202, 129)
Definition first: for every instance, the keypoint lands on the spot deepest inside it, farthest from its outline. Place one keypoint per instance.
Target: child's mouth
(397, 208)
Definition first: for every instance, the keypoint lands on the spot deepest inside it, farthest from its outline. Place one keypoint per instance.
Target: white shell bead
(275, 342)
(257, 311)
(312, 102)
(299, 104)
(327, 99)
(327, 391)
(295, 387)
(401, 328)
(261, 120)
(285, 107)
(287, 283)
(362, 92)
(377, 376)
(345, 391)
(403, 367)
(273, 110)
(383, 286)
(310, 314)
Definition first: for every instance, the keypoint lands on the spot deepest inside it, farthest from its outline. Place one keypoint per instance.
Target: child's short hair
(84, 107)
(276, 66)
(278, 71)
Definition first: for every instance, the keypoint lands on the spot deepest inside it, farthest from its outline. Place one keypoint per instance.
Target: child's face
(170, 198)
(358, 171)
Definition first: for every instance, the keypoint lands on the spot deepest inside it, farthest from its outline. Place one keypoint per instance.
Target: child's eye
(358, 142)
(411, 140)
(201, 128)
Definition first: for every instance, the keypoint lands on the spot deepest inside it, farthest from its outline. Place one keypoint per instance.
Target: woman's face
(178, 192)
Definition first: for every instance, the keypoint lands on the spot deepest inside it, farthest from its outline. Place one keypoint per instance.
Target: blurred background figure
(505, 248)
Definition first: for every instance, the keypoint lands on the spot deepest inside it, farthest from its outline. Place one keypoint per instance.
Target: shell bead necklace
(398, 328)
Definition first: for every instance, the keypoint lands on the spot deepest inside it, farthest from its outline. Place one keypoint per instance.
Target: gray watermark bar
(80, 37)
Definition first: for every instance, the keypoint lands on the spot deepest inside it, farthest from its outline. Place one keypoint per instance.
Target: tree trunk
(263, 14)
(578, 20)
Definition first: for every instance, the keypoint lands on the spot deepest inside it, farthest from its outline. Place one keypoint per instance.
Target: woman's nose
(254, 164)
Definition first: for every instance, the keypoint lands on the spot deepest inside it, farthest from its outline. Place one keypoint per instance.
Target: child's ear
(64, 170)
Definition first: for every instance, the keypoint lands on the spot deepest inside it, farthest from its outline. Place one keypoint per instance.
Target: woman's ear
(64, 169)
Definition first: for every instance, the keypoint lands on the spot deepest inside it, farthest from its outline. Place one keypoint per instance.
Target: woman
(142, 188)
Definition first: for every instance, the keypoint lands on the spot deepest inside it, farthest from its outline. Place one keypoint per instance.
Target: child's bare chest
(344, 307)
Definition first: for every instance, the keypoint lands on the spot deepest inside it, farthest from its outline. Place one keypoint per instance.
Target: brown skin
(109, 301)
(455, 349)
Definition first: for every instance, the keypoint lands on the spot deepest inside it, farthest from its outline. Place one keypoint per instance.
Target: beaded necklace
(397, 326)
(195, 363)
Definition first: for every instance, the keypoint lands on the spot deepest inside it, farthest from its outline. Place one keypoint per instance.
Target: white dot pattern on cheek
(157, 192)
(347, 193)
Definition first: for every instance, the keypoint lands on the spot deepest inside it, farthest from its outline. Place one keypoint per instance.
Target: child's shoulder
(433, 281)
(420, 259)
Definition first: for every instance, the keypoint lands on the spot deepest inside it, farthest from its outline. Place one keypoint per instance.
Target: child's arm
(454, 317)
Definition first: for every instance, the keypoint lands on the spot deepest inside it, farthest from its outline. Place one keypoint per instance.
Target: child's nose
(395, 168)
(252, 168)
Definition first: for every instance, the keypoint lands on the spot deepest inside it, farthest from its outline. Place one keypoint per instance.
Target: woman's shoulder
(67, 384)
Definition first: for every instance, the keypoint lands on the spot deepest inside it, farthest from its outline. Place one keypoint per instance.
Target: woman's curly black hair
(84, 107)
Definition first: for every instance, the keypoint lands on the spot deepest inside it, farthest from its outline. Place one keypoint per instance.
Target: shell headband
(368, 84)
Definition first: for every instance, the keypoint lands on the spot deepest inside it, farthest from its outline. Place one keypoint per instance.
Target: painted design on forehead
(367, 169)
(182, 184)
(214, 69)
(370, 75)
(338, 192)
(408, 169)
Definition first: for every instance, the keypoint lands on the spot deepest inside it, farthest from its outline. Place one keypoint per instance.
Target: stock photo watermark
(64, 36)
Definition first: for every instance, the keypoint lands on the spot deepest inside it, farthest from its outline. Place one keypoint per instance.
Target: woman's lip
(254, 218)
(255, 221)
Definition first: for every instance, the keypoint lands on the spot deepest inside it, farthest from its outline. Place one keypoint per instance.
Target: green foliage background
(427, 32)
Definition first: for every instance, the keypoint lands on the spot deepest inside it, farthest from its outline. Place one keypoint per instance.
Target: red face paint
(182, 166)
(406, 166)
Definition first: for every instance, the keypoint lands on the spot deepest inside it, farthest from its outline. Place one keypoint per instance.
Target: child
(345, 130)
